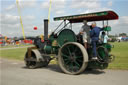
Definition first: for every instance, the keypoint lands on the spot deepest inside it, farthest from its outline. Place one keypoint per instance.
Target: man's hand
(81, 32)
(105, 26)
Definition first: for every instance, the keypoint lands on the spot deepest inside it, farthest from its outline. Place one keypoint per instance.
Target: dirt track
(14, 73)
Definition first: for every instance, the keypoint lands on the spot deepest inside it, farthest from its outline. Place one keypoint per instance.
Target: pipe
(45, 29)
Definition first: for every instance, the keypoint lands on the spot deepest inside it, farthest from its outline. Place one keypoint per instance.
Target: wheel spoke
(66, 59)
(65, 51)
(67, 62)
(78, 56)
(76, 68)
(71, 66)
(65, 55)
(72, 48)
(77, 64)
(69, 51)
(78, 53)
(80, 60)
(75, 49)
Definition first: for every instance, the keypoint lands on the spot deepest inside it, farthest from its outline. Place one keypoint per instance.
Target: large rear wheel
(72, 58)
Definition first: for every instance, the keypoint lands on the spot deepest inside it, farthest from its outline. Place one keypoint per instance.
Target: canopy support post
(64, 23)
(71, 25)
(103, 23)
(59, 26)
(107, 22)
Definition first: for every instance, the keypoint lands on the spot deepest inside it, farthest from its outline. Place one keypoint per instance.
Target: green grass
(10, 46)
(120, 50)
(17, 53)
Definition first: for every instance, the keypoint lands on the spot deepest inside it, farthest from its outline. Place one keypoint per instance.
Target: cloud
(10, 29)
(85, 4)
(27, 3)
(56, 4)
(11, 7)
(109, 3)
(22, 4)
(9, 19)
(10, 25)
(123, 20)
(12, 19)
(59, 12)
(45, 4)
(29, 18)
(119, 26)
(96, 10)
(88, 6)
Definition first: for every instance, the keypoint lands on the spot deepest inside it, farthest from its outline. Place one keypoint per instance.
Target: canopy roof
(96, 16)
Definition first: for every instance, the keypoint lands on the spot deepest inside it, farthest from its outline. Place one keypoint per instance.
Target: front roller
(36, 60)
(72, 58)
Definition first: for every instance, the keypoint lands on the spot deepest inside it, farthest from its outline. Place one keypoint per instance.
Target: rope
(49, 11)
(19, 12)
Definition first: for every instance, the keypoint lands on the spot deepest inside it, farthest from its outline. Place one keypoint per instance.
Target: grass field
(120, 50)
(17, 53)
(9, 46)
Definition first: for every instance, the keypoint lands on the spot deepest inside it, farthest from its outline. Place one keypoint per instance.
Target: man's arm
(101, 29)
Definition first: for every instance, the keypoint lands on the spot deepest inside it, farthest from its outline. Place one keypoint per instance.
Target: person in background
(85, 32)
(94, 34)
(104, 37)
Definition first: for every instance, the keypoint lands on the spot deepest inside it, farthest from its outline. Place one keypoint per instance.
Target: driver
(94, 38)
(85, 32)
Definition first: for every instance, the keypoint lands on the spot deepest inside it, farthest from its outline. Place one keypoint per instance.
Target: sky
(33, 12)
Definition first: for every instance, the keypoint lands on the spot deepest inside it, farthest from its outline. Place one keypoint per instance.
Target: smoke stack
(45, 29)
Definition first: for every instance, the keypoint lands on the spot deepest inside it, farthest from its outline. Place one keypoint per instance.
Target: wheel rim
(102, 54)
(72, 58)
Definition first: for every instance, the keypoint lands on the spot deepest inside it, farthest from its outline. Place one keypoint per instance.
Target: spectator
(104, 37)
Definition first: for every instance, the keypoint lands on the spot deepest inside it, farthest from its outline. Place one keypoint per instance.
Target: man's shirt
(95, 32)
(105, 39)
(86, 30)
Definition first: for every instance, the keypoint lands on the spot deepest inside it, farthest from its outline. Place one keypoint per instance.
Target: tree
(122, 34)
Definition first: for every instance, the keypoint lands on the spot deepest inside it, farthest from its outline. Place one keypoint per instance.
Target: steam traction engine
(67, 47)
